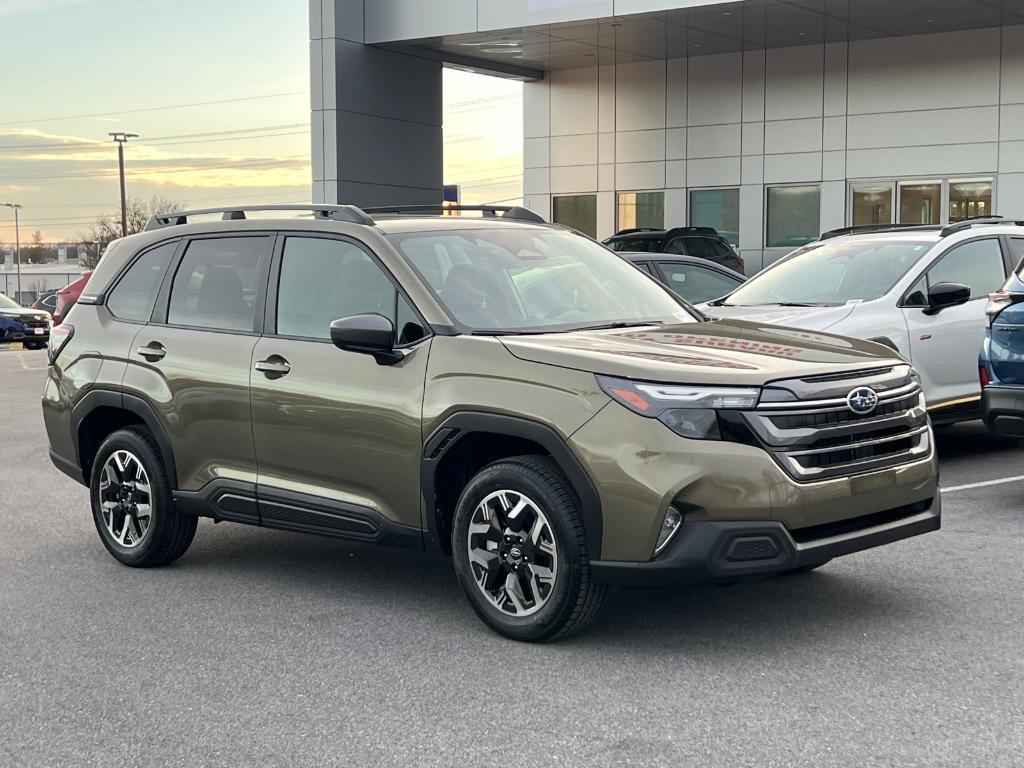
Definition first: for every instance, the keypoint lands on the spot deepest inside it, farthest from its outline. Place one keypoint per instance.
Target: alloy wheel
(512, 553)
(125, 499)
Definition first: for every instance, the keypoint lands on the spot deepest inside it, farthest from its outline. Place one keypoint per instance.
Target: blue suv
(1001, 365)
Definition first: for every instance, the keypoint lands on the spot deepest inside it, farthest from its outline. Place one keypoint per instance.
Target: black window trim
(902, 304)
(274, 280)
(162, 307)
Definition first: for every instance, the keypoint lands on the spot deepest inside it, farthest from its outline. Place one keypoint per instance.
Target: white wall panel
(505, 14)
(574, 178)
(539, 204)
(607, 219)
(640, 96)
(536, 108)
(715, 172)
(606, 148)
(1011, 122)
(753, 138)
(714, 89)
(752, 216)
(675, 173)
(388, 20)
(783, 169)
(905, 129)
(606, 98)
(536, 181)
(955, 69)
(835, 79)
(639, 176)
(794, 82)
(676, 212)
(573, 101)
(639, 146)
(713, 141)
(753, 85)
(1010, 192)
(1013, 65)
(574, 150)
(675, 107)
(675, 143)
(606, 177)
(834, 133)
(833, 205)
(833, 165)
(922, 161)
(793, 136)
(536, 153)
(752, 169)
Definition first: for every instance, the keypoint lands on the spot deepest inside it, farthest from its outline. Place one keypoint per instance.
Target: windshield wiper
(618, 324)
(786, 304)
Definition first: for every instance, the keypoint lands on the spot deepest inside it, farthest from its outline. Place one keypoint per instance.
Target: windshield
(535, 280)
(833, 273)
(8, 303)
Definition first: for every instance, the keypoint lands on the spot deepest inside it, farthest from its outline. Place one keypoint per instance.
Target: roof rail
(677, 231)
(863, 228)
(349, 213)
(515, 212)
(635, 230)
(979, 221)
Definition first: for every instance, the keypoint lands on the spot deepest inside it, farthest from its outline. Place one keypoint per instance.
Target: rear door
(338, 436)
(944, 347)
(191, 363)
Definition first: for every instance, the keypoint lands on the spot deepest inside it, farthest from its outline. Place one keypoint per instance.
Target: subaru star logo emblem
(862, 400)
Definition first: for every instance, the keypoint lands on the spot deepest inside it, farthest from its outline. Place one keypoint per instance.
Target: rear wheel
(33, 344)
(132, 505)
(520, 551)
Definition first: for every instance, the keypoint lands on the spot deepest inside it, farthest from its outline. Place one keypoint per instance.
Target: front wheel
(520, 551)
(132, 504)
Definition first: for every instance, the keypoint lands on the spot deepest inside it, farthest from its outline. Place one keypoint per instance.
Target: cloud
(12, 7)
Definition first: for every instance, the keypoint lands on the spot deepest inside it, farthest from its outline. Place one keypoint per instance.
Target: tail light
(60, 335)
(983, 376)
(997, 302)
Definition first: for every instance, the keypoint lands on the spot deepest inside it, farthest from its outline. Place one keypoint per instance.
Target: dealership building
(769, 120)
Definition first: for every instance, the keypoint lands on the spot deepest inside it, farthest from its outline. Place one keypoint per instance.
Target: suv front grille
(818, 437)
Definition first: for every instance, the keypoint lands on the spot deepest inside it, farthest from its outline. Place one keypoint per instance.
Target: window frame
(767, 194)
(274, 283)
(923, 272)
(897, 182)
(172, 262)
(163, 303)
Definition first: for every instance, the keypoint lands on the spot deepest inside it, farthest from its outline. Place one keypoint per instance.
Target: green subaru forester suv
(503, 391)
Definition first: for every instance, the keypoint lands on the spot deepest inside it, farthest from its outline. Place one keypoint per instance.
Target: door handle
(152, 352)
(274, 367)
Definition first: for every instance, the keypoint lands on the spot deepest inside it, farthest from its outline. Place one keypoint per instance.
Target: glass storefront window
(641, 210)
(576, 211)
(921, 202)
(794, 216)
(969, 199)
(718, 209)
(872, 203)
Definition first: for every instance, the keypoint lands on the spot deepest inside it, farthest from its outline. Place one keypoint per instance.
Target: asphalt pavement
(262, 648)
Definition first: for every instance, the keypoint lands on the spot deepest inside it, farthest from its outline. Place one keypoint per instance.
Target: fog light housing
(669, 526)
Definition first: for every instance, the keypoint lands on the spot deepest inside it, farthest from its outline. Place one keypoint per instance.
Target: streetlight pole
(17, 244)
(122, 138)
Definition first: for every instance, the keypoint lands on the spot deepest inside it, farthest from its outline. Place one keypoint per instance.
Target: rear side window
(134, 295)
(217, 283)
(1017, 254)
(701, 247)
(697, 284)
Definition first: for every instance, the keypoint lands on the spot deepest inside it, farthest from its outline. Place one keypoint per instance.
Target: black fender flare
(107, 398)
(464, 423)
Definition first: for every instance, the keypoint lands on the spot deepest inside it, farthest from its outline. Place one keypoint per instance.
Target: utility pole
(17, 244)
(122, 138)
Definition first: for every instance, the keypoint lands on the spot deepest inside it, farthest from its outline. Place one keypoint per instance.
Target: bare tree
(35, 253)
(108, 226)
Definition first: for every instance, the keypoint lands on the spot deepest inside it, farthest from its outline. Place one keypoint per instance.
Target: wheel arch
(468, 440)
(102, 412)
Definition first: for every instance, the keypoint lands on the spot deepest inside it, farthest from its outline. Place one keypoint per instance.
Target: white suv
(918, 289)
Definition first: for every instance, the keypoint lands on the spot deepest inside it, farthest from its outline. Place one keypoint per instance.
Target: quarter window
(135, 293)
(217, 283)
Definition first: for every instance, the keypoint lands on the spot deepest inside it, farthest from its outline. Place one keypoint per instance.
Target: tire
(547, 528)
(806, 568)
(144, 541)
(32, 345)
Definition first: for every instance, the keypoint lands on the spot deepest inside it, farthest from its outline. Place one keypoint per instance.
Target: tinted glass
(920, 203)
(718, 209)
(695, 283)
(135, 293)
(639, 245)
(534, 279)
(794, 216)
(834, 272)
(409, 327)
(324, 280)
(872, 203)
(217, 283)
(701, 247)
(1017, 253)
(577, 211)
(977, 264)
(969, 199)
(641, 209)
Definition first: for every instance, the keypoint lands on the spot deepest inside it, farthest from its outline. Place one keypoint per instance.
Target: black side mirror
(945, 295)
(369, 334)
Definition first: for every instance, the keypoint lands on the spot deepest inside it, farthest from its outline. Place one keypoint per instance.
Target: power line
(156, 109)
(105, 174)
(156, 140)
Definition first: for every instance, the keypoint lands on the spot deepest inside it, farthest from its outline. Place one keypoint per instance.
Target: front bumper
(720, 551)
(1002, 409)
(19, 333)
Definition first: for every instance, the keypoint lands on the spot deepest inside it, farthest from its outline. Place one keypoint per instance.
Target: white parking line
(1000, 481)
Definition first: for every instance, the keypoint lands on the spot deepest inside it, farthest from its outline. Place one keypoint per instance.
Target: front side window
(718, 209)
(834, 272)
(794, 216)
(135, 293)
(697, 284)
(645, 210)
(217, 283)
(576, 211)
(534, 280)
(977, 264)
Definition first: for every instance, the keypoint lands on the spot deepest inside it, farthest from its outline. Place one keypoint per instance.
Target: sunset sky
(217, 91)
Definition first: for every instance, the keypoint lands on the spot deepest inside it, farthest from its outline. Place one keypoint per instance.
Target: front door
(338, 436)
(944, 347)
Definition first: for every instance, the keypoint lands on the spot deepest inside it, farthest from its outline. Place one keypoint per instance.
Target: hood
(812, 318)
(26, 313)
(716, 352)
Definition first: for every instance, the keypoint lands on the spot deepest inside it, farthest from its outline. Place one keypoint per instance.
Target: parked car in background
(67, 297)
(47, 302)
(920, 290)
(696, 280)
(1001, 366)
(17, 323)
(701, 242)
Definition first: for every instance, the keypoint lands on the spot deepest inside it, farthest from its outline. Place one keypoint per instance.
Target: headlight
(690, 411)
